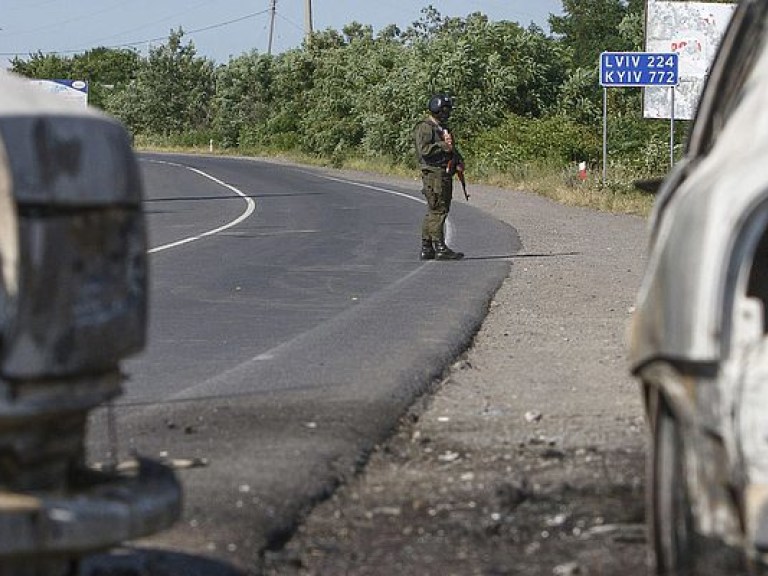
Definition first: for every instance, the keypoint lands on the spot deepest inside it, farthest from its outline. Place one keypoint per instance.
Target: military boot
(427, 250)
(442, 252)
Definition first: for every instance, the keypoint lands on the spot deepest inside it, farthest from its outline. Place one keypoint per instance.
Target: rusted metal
(73, 304)
(98, 511)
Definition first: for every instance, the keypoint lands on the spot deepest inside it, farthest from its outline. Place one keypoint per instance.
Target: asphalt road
(292, 325)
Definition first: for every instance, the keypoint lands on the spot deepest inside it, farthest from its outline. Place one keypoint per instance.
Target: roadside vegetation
(529, 104)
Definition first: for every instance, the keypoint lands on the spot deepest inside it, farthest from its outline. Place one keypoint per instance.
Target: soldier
(438, 160)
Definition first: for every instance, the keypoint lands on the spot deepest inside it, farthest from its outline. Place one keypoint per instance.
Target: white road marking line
(250, 208)
(251, 205)
(370, 187)
(448, 225)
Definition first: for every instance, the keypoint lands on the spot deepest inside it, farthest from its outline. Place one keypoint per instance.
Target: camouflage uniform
(435, 160)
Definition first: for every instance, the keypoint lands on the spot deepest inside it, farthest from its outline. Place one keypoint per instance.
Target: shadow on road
(521, 256)
(145, 561)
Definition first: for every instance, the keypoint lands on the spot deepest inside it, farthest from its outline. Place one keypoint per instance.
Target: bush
(641, 146)
(554, 140)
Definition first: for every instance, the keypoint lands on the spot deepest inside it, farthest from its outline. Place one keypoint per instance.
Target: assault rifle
(457, 168)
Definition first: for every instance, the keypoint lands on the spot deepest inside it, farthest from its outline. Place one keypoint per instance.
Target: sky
(219, 29)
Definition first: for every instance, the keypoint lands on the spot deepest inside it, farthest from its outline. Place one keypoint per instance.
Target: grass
(560, 184)
(564, 186)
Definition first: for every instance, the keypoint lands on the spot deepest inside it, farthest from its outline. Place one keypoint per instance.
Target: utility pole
(273, 10)
(307, 20)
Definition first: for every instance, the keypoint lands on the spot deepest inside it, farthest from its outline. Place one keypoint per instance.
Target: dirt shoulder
(529, 457)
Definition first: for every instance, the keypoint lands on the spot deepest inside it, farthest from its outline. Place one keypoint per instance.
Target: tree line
(523, 95)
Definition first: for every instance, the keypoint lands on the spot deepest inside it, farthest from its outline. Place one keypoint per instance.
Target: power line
(204, 29)
(189, 10)
(158, 39)
(60, 23)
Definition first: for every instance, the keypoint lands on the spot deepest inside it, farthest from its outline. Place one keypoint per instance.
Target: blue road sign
(625, 69)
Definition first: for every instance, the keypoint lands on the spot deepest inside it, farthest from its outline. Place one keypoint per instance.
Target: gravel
(528, 459)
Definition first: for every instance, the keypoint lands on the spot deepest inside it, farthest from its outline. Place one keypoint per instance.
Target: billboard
(72, 91)
(693, 30)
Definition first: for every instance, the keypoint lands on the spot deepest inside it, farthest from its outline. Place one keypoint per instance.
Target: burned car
(699, 334)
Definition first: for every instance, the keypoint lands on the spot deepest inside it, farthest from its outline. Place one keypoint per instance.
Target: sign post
(636, 69)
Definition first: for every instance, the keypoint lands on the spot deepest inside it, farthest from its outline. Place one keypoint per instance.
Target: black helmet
(440, 103)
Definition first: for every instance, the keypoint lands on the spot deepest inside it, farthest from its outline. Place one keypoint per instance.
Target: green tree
(354, 92)
(294, 77)
(329, 124)
(493, 68)
(172, 92)
(107, 66)
(522, 95)
(43, 66)
(103, 69)
(589, 27)
(244, 96)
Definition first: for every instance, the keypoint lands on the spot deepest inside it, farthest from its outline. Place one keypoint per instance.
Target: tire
(671, 522)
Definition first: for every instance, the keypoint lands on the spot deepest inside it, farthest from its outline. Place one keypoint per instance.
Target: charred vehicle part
(73, 303)
(699, 334)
